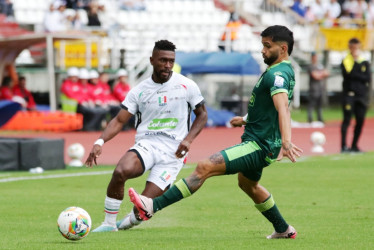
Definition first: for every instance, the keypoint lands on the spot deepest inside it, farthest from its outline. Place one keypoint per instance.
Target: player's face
(355, 49)
(162, 62)
(271, 50)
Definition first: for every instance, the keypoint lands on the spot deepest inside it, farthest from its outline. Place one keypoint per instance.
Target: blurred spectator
(110, 101)
(370, 19)
(317, 75)
(132, 5)
(316, 11)
(348, 7)
(55, 19)
(21, 91)
(333, 9)
(6, 8)
(76, 87)
(121, 87)
(6, 89)
(92, 15)
(298, 7)
(356, 78)
(231, 30)
(359, 9)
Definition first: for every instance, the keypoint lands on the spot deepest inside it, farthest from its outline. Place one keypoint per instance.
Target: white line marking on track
(53, 176)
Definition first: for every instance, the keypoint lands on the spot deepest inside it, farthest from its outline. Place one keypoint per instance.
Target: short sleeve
(131, 102)
(194, 95)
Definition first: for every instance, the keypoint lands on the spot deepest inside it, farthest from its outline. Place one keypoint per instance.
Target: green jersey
(262, 122)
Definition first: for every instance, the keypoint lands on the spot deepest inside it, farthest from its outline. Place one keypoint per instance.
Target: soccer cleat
(126, 223)
(355, 150)
(142, 203)
(105, 228)
(345, 150)
(289, 234)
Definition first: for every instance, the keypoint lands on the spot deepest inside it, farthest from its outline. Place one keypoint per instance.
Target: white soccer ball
(318, 138)
(76, 151)
(74, 223)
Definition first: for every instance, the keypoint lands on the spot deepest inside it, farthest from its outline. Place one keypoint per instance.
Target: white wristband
(245, 117)
(99, 142)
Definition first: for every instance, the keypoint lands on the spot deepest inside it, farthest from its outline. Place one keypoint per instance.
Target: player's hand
(183, 149)
(94, 154)
(290, 151)
(237, 121)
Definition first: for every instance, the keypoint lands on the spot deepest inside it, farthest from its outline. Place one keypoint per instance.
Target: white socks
(133, 219)
(111, 210)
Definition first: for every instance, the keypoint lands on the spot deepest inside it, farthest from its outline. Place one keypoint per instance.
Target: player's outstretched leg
(129, 221)
(142, 203)
(290, 233)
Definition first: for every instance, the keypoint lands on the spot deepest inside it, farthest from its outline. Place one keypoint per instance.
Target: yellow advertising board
(337, 38)
(74, 53)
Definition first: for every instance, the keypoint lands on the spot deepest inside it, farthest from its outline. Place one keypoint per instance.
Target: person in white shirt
(55, 19)
(162, 105)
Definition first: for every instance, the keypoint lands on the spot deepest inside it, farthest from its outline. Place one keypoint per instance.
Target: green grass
(332, 113)
(328, 199)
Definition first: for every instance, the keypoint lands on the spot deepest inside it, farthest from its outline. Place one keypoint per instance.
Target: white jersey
(163, 110)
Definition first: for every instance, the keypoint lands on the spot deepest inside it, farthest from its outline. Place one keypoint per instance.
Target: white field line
(53, 176)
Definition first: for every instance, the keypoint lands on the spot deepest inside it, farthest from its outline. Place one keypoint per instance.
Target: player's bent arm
(198, 124)
(115, 125)
(281, 105)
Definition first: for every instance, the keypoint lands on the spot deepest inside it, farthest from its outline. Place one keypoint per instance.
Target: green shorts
(247, 158)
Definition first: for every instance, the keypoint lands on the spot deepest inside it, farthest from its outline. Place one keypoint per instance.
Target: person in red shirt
(121, 88)
(21, 91)
(5, 89)
(70, 86)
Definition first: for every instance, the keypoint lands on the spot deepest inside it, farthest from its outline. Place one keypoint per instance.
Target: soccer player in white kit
(162, 105)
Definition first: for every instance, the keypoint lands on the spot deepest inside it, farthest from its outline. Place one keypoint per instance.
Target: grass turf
(326, 198)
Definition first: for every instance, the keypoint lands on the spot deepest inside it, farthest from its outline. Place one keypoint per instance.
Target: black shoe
(355, 150)
(345, 150)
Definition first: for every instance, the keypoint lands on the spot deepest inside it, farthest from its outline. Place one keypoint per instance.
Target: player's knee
(121, 174)
(203, 169)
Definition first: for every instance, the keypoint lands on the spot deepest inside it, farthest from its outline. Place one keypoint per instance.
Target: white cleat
(289, 234)
(126, 223)
(142, 203)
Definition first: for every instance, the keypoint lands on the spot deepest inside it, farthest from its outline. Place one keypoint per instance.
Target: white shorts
(163, 167)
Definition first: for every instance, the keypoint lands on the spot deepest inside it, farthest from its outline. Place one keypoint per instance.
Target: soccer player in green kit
(266, 138)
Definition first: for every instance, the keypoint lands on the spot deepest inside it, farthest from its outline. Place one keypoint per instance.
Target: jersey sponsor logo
(157, 124)
(278, 73)
(162, 100)
(252, 100)
(156, 133)
(279, 81)
(165, 176)
(184, 86)
(161, 91)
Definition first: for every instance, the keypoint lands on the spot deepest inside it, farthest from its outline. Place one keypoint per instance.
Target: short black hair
(6, 81)
(280, 33)
(354, 41)
(164, 45)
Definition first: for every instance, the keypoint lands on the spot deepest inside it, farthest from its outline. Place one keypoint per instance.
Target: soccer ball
(76, 153)
(318, 138)
(74, 223)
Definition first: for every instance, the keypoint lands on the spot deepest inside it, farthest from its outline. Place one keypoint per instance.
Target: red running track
(211, 140)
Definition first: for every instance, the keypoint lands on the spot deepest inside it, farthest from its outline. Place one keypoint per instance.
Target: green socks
(177, 192)
(271, 212)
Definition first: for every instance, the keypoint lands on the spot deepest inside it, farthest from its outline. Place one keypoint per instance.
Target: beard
(269, 60)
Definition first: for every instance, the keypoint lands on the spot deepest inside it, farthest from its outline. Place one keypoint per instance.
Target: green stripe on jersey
(242, 150)
(279, 91)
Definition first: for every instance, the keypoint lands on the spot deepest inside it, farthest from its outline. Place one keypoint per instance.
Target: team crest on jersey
(279, 81)
(165, 176)
(162, 100)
